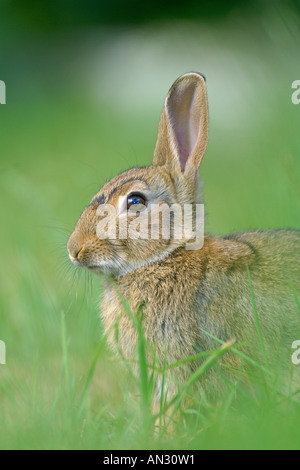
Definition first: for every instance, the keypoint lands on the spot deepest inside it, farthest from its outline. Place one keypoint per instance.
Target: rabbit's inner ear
(184, 116)
(183, 128)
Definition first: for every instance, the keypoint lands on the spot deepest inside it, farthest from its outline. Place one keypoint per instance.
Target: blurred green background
(85, 83)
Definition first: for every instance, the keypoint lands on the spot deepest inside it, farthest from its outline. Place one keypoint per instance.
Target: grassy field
(61, 386)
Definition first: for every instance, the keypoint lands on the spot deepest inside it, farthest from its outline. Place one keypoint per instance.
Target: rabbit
(188, 300)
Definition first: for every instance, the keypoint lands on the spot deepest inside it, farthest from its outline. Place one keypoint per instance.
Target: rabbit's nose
(74, 248)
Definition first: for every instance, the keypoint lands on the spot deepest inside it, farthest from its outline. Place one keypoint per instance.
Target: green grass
(62, 387)
(70, 404)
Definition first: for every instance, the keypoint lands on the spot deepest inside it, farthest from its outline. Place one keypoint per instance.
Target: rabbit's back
(258, 293)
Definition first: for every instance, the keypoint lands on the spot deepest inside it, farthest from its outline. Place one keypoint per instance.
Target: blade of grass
(241, 354)
(195, 376)
(143, 369)
(90, 374)
(256, 319)
(66, 365)
(162, 394)
(296, 296)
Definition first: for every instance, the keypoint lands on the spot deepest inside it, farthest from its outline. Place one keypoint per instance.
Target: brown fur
(178, 292)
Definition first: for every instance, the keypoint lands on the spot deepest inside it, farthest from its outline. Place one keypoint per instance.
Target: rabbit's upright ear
(183, 128)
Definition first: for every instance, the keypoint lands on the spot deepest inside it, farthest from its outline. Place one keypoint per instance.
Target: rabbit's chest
(165, 315)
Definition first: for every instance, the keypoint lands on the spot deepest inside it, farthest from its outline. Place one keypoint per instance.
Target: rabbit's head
(123, 228)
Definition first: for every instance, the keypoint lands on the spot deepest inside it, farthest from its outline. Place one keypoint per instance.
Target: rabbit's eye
(136, 202)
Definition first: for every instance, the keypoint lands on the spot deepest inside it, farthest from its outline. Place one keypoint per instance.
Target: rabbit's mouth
(104, 267)
(95, 269)
(81, 264)
(75, 261)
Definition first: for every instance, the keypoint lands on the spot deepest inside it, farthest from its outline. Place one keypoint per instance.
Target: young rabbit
(241, 287)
